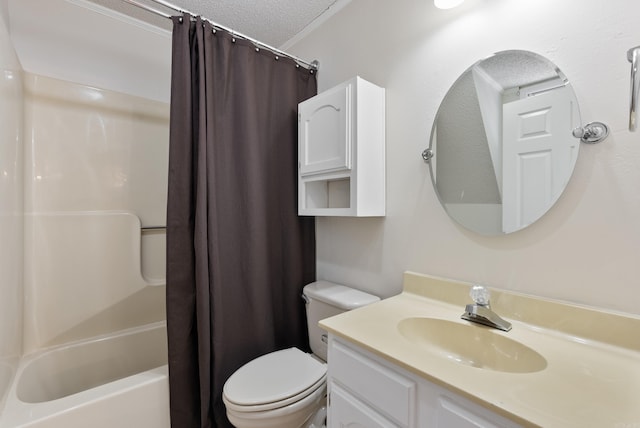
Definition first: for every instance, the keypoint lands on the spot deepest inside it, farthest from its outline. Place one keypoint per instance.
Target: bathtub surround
(586, 248)
(93, 162)
(11, 224)
(68, 264)
(238, 255)
(97, 172)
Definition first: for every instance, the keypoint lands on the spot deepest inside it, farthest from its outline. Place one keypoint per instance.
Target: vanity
(411, 361)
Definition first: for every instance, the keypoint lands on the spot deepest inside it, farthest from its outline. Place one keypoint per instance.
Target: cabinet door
(324, 131)
(346, 411)
(381, 387)
(453, 414)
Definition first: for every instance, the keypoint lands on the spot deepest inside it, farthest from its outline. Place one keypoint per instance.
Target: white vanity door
(450, 413)
(388, 396)
(348, 411)
(325, 131)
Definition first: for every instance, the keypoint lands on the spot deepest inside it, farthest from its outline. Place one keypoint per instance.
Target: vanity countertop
(592, 375)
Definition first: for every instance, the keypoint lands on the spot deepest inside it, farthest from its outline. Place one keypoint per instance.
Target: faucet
(480, 311)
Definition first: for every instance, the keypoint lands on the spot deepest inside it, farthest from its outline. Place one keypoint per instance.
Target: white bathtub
(119, 380)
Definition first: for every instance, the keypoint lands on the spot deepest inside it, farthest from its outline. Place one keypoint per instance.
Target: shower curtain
(237, 253)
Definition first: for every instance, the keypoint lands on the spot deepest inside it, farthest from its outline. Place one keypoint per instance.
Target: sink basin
(471, 345)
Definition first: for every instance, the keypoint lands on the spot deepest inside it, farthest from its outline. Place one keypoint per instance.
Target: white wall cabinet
(368, 391)
(341, 151)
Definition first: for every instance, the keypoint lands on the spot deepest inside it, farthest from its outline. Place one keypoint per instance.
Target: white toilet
(287, 388)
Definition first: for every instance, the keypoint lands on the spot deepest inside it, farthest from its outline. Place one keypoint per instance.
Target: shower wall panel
(11, 184)
(96, 172)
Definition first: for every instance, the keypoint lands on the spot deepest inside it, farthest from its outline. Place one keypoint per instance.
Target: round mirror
(502, 149)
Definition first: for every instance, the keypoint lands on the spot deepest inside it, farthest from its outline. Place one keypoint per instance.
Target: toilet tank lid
(337, 295)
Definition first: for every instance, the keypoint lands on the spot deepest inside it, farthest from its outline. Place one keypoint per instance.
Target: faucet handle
(480, 294)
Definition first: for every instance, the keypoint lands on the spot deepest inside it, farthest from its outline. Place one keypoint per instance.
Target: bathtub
(120, 380)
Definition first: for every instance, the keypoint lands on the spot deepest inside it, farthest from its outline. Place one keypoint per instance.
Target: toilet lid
(273, 377)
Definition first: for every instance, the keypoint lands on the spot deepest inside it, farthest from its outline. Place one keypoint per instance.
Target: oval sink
(471, 345)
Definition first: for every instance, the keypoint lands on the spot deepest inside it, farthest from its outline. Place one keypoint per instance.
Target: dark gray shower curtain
(237, 253)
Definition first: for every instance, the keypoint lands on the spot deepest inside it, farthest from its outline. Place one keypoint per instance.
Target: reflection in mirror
(502, 143)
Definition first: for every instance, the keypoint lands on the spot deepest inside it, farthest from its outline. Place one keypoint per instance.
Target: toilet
(287, 388)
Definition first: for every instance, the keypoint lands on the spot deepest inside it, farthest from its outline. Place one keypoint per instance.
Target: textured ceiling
(269, 21)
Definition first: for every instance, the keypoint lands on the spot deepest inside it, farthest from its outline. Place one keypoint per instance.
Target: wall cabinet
(341, 151)
(368, 391)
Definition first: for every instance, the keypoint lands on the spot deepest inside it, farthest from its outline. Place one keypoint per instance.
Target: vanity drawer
(347, 411)
(382, 388)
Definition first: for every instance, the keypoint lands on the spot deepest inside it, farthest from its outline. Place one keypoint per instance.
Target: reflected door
(538, 158)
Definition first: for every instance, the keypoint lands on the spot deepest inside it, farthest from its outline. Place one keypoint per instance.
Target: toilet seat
(274, 380)
(320, 384)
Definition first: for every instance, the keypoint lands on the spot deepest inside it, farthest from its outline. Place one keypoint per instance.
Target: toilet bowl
(287, 388)
(281, 389)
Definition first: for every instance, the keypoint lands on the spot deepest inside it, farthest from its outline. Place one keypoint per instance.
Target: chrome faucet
(480, 312)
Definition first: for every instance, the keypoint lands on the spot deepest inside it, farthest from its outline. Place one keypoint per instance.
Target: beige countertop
(592, 372)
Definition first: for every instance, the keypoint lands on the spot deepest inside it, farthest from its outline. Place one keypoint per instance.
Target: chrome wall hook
(592, 133)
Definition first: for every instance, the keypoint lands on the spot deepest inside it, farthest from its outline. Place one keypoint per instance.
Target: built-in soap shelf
(341, 151)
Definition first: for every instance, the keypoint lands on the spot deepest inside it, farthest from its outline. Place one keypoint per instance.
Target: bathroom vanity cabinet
(341, 151)
(410, 360)
(366, 390)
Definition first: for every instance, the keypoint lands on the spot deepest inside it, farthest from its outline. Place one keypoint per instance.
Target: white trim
(336, 7)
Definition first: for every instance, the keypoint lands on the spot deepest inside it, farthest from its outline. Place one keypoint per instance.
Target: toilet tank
(325, 299)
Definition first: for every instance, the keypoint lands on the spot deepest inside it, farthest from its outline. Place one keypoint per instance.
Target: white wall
(11, 185)
(587, 248)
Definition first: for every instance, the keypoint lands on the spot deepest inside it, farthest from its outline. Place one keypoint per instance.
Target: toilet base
(319, 419)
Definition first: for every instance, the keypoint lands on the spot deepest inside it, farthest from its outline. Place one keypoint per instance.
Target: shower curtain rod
(313, 65)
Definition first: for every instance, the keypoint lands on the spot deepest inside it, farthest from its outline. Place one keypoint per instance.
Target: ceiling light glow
(447, 4)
